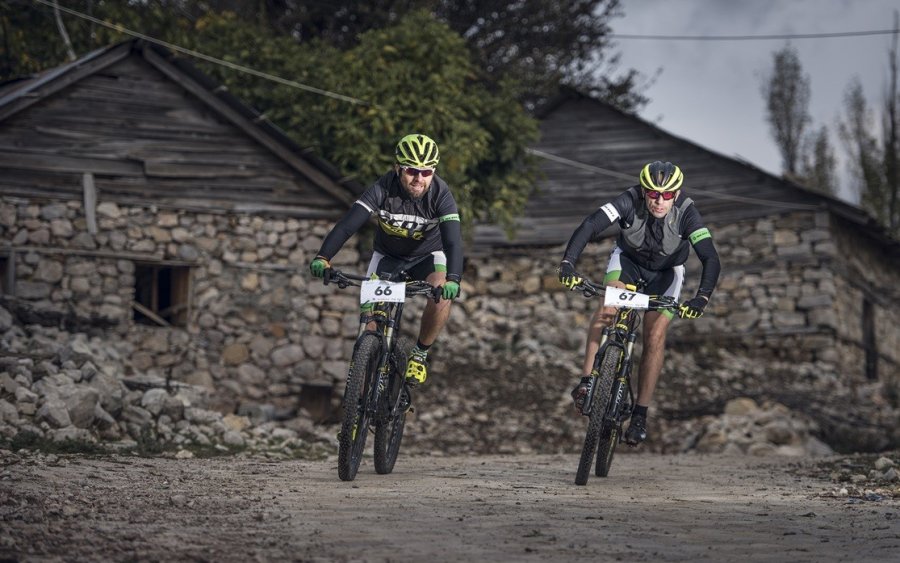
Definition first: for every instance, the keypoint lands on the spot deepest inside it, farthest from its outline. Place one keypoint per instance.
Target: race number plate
(381, 290)
(618, 297)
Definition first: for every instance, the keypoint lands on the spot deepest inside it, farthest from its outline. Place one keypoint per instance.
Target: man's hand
(567, 275)
(318, 266)
(450, 290)
(693, 308)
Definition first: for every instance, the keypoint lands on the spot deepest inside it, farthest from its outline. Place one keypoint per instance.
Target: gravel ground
(462, 508)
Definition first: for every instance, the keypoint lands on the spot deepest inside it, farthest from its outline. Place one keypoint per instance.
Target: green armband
(699, 235)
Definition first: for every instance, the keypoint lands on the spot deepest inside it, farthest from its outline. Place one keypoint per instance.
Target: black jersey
(407, 228)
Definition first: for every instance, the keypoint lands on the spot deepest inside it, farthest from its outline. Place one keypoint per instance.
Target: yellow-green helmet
(661, 177)
(418, 151)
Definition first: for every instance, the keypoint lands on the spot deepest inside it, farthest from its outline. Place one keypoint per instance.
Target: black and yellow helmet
(661, 177)
(418, 151)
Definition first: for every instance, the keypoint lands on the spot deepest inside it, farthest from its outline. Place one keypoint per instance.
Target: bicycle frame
(387, 318)
(622, 334)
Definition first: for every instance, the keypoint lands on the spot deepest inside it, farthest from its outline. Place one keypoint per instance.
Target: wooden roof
(151, 128)
(589, 152)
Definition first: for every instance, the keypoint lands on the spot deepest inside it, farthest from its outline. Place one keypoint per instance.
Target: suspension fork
(621, 384)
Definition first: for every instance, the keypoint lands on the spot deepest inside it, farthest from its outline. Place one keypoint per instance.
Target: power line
(753, 37)
(197, 54)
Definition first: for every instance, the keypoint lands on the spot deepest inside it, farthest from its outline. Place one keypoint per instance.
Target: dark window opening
(870, 343)
(5, 275)
(161, 294)
(316, 400)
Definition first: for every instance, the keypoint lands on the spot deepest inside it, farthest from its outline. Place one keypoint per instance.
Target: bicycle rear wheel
(609, 434)
(596, 427)
(355, 426)
(389, 429)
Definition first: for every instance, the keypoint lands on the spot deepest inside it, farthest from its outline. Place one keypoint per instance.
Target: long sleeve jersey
(408, 228)
(655, 244)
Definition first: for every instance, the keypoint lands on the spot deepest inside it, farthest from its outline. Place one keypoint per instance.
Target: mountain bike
(376, 394)
(610, 399)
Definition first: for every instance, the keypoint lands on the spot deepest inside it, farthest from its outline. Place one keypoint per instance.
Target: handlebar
(414, 287)
(590, 289)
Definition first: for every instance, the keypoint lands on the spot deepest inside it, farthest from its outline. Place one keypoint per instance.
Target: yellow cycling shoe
(416, 368)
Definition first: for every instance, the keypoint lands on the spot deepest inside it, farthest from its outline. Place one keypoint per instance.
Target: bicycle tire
(609, 434)
(355, 424)
(602, 390)
(389, 429)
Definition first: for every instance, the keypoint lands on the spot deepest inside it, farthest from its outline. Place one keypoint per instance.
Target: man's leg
(655, 327)
(433, 320)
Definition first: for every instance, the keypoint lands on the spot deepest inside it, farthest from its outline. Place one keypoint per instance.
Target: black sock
(639, 411)
(421, 346)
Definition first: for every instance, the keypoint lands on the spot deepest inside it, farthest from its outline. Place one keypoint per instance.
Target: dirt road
(517, 508)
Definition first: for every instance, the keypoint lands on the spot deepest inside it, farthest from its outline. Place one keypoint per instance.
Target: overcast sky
(709, 91)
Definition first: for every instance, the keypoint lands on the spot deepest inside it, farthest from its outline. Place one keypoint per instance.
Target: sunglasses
(424, 172)
(656, 195)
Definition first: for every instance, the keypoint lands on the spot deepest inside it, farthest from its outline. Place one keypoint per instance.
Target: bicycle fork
(620, 384)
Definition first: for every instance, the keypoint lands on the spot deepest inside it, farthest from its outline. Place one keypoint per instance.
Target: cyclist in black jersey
(657, 227)
(419, 232)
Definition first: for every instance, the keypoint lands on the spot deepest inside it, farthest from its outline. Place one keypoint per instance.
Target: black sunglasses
(425, 172)
(655, 195)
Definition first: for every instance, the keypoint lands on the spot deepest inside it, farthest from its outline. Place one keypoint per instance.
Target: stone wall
(259, 330)
(264, 339)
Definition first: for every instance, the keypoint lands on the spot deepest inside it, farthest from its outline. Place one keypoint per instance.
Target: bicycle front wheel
(596, 427)
(609, 434)
(389, 429)
(355, 425)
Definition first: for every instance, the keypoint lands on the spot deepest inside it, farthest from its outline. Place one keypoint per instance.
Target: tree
(874, 160)
(819, 170)
(538, 43)
(410, 85)
(787, 93)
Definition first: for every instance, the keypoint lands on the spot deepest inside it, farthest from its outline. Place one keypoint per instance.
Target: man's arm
(348, 225)
(451, 240)
(701, 240)
(596, 223)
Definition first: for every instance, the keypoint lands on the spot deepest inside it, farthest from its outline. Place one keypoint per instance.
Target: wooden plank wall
(145, 140)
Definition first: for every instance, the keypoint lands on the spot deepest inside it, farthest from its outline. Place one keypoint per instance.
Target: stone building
(141, 204)
(149, 210)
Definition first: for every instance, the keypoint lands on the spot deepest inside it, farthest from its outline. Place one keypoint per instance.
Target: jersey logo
(400, 231)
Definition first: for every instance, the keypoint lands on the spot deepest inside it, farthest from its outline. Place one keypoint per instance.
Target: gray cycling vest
(633, 236)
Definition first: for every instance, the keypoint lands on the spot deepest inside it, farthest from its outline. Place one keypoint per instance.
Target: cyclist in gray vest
(658, 226)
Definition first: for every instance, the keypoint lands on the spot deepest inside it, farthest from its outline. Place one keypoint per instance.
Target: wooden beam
(136, 256)
(90, 202)
(54, 81)
(150, 314)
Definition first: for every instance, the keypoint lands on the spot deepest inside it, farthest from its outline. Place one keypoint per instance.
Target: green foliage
(415, 76)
